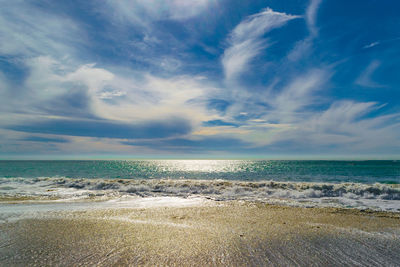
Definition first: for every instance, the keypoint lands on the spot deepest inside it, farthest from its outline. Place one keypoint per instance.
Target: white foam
(26, 210)
(348, 195)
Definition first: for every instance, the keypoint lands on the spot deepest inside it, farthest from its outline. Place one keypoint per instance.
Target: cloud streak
(302, 48)
(246, 40)
(26, 30)
(365, 79)
(298, 96)
(144, 11)
(311, 16)
(107, 129)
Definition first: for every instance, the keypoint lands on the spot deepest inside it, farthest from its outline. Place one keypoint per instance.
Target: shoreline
(15, 201)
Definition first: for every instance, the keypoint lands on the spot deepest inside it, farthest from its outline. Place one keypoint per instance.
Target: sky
(199, 78)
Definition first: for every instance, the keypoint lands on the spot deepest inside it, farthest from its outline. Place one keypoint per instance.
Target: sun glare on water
(199, 165)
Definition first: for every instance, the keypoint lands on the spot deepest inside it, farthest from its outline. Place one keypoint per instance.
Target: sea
(372, 184)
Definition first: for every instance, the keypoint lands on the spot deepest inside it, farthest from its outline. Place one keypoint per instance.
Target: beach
(175, 231)
(199, 213)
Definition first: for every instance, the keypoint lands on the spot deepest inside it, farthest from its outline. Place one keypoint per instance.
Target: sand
(195, 232)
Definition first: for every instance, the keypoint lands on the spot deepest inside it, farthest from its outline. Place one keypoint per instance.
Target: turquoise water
(246, 170)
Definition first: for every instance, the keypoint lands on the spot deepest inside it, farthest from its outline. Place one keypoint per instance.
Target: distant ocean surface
(349, 184)
(244, 170)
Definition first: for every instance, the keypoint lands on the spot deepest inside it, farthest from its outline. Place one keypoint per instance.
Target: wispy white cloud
(281, 108)
(246, 40)
(311, 16)
(347, 123)
(287, 107)
(142, 12)
(296, 113)
(138, 28)
(365, 79)
(298, 96)
(379, 42)
(344, 127)
(237, 57)
(302, 48)
(26, 30)
(372, 44)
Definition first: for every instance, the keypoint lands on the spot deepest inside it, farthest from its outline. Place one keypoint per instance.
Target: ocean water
(349, 184)
(242, 170)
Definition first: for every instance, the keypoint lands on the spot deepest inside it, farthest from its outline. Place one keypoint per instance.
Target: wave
(377, 196)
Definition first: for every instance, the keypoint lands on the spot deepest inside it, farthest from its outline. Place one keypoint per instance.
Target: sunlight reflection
(199, 165)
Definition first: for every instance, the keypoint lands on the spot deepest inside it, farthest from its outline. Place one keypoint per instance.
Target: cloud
(26, 30)
(58, 95)
(339, 116)
(300, 49)
(365, 79)
(150, 97)
(282, 108)
(347, 122)
(311, 16)
(213, 123)
(303, 47)
(372, 45)
(298, 96)
(345, 126)
(141, 12)
(4, 92)
(45, 139)
(236, 58)
(107, 129)
(281, 103)
(140, 76)
(295, 118)
(218, 105)
(203, 145)
(110, 94)
(246, 40)
(55, 87)
(159, 37)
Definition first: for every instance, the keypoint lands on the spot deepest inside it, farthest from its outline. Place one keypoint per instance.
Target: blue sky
(177, 78)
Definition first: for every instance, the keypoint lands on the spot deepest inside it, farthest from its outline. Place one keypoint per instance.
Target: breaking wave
(377, 196)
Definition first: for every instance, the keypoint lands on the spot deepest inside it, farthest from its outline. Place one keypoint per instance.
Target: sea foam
(385, 197)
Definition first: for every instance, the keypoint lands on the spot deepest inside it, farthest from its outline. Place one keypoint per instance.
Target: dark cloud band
(107, 129)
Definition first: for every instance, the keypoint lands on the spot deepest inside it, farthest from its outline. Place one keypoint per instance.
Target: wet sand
(204, 233)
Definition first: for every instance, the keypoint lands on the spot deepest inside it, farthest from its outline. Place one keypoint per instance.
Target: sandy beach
(169, 231)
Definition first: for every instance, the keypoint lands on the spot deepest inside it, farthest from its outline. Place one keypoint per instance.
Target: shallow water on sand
(228, 234)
